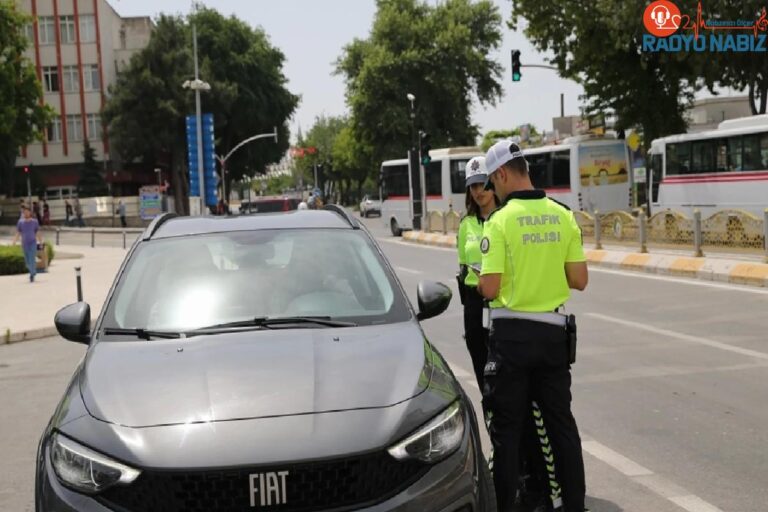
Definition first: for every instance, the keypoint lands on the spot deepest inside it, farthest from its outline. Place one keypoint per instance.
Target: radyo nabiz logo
(671, 31)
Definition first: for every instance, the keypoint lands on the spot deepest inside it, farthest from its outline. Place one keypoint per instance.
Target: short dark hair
(517, 165)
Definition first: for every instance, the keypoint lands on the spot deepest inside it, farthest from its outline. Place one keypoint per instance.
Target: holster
(570, 330)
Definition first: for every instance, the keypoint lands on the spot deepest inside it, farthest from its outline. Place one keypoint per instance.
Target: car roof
(169, 226)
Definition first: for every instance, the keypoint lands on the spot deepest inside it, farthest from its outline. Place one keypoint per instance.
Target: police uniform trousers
(475, 333)
(476, 336)
(531, 363)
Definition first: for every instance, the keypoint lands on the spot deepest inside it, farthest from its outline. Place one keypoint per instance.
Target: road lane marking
(409, 270)
(692, 281)
(680, 336)
(659, 485)
(693, 503)
(615, 460)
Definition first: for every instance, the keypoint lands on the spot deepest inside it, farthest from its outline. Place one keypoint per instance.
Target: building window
(71, 79)
(54, 130)
(91, 77)
(75, 127)
(67, 28)
(51, 79)
(87, 28)
(94, 126)
(29, 32)
(47, 29)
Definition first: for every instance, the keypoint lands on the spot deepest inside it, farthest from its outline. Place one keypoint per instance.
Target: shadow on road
(598, 505)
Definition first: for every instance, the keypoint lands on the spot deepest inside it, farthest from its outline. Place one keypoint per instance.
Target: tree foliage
(91, 183)
(493, 136)
(740, 70)
(599, 45)
(22, 117)
(440, 54)
(147, 109)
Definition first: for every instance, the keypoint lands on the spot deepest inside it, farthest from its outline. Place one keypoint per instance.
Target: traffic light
(26, 169)
(424, 148)
(516, 75)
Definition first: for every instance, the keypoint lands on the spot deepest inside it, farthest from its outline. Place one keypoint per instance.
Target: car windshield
(186, 283)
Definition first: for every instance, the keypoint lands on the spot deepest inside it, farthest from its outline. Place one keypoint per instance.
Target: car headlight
(435, 440)
(86, 470)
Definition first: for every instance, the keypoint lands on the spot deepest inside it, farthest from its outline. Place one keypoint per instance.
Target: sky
(312, 34)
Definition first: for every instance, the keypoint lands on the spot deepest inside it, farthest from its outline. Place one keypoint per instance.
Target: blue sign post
(209, 159)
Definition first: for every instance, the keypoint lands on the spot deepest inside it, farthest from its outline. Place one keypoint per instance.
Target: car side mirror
(433, 298)
(74, 322)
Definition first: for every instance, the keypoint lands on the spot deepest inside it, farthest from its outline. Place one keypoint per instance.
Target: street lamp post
(198, 85)
(223, 159)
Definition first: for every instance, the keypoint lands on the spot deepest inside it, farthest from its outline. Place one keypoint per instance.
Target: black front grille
(340, 484)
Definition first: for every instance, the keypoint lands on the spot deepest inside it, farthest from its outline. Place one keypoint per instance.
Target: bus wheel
(396, 231)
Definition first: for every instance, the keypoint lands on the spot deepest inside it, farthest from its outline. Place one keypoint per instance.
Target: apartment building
(78, 47)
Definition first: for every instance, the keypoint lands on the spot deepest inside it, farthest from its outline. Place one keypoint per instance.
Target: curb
(707, 269)
(9, 338)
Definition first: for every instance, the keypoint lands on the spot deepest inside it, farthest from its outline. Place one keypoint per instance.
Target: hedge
(12, 259)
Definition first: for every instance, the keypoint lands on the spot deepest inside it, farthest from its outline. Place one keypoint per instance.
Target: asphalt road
(669, 390)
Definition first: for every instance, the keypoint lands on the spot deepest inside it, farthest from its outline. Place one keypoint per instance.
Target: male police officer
(532, 256)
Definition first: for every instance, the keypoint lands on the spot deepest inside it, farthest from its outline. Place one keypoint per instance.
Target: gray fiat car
(260, 363)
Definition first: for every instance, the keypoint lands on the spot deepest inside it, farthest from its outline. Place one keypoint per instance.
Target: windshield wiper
(270, 322)
(143, 334)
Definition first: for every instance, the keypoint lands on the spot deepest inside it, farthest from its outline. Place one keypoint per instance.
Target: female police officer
(479, 203)
(532, 257)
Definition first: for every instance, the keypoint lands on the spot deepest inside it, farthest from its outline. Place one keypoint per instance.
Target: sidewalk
(726, 268)
(27, 309)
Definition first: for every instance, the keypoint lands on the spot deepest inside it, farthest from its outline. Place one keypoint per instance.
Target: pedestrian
(532, 258)
(121, 213)
(68, 211)
(28, 229)
(79, 213)
(46, 213)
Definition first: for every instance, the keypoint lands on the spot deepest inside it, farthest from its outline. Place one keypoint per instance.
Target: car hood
(256, 374)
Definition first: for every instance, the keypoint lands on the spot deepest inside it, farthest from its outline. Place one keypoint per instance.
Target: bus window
(764, 149)
(679, 158)
(703, 156)
(458, 170)
(752, 152)
(434, 178)
(656, 168)
(561, 169)
(395, 181)
(734, 153)
(538, 169)
(721, 155)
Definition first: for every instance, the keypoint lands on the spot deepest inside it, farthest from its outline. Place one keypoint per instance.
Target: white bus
(714, 170)
(444, 183)
(585, 173)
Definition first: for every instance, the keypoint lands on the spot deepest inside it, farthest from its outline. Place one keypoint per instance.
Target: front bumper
(453, 485)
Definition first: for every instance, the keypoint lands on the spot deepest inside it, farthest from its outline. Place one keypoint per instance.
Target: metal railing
(727, 230)
(87, 236)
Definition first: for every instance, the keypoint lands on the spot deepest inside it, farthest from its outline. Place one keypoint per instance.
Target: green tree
(440, 54)
(599, 45)
(493, 136)
(147, 109)
(22, 117)
(91, 182)
(322, 137)
(740, 70)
